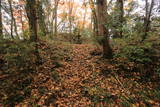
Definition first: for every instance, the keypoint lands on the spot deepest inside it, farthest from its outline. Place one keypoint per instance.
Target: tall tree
(31, 9)
(103, 31)
(94, 16)
(147, 19)
(13, 20)
(21, 20)
(48, 15)
(41, 18)
(85, 12)
(119, 19)
(1, 27)
(32, 16)
(55, 22)
(70, 15)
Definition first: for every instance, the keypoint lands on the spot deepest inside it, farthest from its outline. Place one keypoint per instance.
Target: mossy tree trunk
(32, 17)
(119, 19)
(94, 16)
(31, 9)
(1, 26)
(147, 19)
(41, 18)
(103, 31)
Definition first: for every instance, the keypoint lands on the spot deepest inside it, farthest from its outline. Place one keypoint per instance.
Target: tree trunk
(55, 23)
(84, 17)
(121, 15)
(41, 18)
(13, 20)
(1, 26)
(47, 15)
(31, 9)
(12, 29)
(103, 31)
(70, 16)
(22, 23)
(119, 11)
(32, 16)
(94, 16)
(147, 19)
(70, 19)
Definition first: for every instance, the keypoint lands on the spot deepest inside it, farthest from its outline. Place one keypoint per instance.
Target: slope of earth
(74, 75)
(89, 80)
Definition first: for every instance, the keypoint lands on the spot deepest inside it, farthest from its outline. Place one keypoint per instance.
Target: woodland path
(74, 73)
(79, 77)
(87, 80)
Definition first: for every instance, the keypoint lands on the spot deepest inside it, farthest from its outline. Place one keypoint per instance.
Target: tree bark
(119, 18)
(32, 16)
(103, 31)
(147, 18)
(13, 20)
(84, 17)
(41, 18)
(55, 20)
(70, 19)
(22, 23)
(1, 26)
(31, 9)
(94, 16)
(70, 16)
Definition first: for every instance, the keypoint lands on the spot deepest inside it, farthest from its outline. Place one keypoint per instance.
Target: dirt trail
(82, 80)
(74, 73)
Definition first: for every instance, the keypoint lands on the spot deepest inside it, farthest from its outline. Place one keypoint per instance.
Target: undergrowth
(19, 69)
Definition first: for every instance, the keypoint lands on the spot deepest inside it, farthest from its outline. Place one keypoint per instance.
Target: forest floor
(81, 78)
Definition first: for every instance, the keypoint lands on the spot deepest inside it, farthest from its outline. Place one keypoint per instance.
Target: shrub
(97, 94)
(18, 55)
(137, 53)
